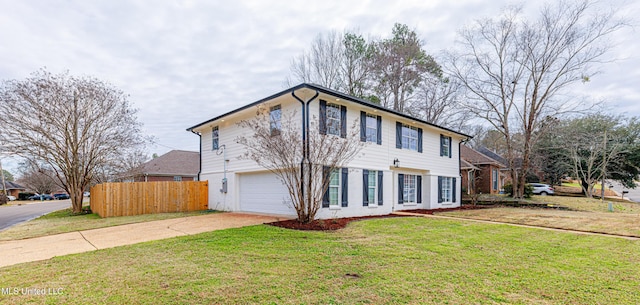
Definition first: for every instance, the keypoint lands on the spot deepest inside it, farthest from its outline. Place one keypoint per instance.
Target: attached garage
(264, 193)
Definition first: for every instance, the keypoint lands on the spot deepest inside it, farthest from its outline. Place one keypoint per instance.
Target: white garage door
(264, 193)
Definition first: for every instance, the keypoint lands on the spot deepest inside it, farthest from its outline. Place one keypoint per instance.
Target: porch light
(396, 163)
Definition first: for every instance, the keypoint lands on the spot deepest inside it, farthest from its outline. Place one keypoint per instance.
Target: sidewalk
(41, 248)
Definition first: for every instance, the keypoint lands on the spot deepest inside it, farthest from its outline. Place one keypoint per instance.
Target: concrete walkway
(41, 248)
(517, 225)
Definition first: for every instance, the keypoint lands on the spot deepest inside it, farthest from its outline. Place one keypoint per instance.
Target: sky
(184, 62)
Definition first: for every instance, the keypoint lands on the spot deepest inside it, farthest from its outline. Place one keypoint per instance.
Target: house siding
(379, 157)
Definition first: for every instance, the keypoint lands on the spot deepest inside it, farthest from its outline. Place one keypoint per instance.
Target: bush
(528, 190)
(25, 195)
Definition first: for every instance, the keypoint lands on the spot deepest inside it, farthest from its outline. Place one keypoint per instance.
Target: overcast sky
(184, 62)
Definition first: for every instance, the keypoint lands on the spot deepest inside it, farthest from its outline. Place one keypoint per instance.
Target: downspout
(305, 142)
(200, 153)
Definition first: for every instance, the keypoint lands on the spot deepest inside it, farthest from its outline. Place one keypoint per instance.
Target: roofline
(330, 92)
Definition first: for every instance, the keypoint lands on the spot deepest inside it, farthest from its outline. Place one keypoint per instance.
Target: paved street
(12, 215)
(634, 194)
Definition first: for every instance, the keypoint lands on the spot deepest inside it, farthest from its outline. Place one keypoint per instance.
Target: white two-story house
(406, 163)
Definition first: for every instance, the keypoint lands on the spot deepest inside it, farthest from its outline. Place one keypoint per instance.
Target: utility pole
(4, 184)
(604, 166)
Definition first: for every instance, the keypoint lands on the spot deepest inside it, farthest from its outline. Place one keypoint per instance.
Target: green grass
(590, 204)
(395, 260)
(64, 221)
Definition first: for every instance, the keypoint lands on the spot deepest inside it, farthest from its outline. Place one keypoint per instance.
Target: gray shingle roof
(173, 163)
(12, 186)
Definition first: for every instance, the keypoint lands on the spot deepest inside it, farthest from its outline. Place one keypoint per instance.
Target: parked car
(61, 196)
(41, 197)
(11, 198)
(542, 189)
(87, 194)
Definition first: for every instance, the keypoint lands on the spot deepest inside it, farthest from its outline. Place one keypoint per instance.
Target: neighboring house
(13, 189)
(487, 178)
(176, 165)
(407, 163)
(468, 173)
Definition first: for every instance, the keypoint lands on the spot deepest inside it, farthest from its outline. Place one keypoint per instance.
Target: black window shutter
(453, 193)
(345, 188)
(380, 187)
(398, 135)
(419, 189)
(325, 182)
(420, 140)
(400, 188)
(323, 117)
(441, 146)
(450, 148)
(363, 126)
(365, 187)
(379, 129)
(343, 121)
(439, 189)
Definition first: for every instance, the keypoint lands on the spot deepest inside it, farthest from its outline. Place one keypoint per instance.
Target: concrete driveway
(41, 248)
(15, 214)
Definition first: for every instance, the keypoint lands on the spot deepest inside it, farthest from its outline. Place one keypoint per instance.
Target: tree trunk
(76, 194)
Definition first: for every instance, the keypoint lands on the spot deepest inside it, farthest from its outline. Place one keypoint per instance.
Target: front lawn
(64, 221)
(381, 261)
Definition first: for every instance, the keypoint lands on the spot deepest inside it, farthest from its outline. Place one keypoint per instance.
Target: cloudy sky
(184, 62)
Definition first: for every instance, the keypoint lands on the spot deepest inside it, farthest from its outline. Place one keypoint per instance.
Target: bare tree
(74, 125)
(437, 101)
(322, 64)
(514, 70)
(38, 178)
(281, 152)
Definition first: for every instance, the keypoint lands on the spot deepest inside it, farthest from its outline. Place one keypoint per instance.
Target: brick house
(13, 189)
(480, 172)
(176, 165)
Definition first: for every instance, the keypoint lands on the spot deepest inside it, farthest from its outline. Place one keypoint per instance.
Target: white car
(542, 189)
(11, 198)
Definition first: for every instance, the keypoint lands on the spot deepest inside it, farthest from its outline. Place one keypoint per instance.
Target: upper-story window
(370, 128)
(333, 119)
(445, 146)
(215, 138)
(408, 137)
(275, 119)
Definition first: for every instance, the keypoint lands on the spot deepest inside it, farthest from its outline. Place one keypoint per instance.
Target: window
(372, 128)
(333, 119)
(409, 137)
(445, 146)
(275, 115)
(446, 189)
(337, 193)
(409, 190)
(334, 188)
(494, 180)
(372, 187)
(215, 138)
(177, 178)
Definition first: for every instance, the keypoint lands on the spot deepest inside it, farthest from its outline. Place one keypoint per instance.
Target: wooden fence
(136, 198)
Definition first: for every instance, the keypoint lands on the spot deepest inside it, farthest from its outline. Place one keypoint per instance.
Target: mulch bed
(324, 224)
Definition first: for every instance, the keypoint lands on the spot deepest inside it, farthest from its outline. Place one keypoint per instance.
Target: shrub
(528, 190)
